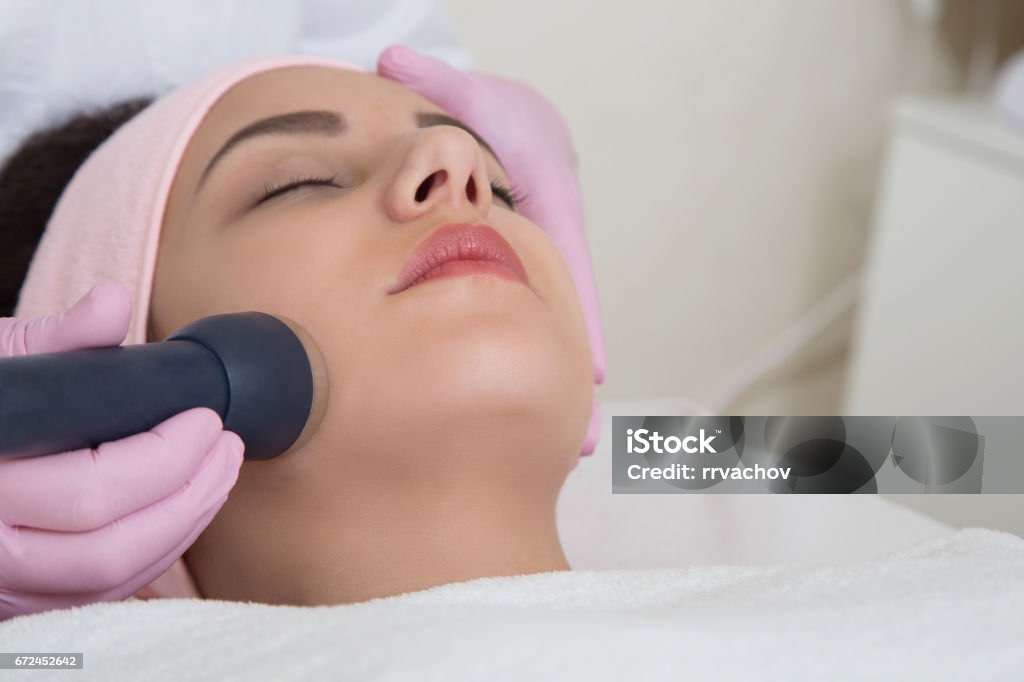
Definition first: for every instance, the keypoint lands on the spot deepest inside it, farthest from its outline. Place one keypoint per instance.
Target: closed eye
(270, 190)
(509, 196)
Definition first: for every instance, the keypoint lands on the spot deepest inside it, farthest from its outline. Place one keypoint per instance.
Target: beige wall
(729, 157)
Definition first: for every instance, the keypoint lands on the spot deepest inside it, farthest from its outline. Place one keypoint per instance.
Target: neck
(328, 530)
(419, 556)
(385, 541)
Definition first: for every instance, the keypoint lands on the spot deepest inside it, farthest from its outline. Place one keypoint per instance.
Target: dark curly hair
(33, 178)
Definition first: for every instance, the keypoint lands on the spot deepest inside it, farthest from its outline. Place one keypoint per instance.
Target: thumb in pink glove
(99, 524)
(531, 139)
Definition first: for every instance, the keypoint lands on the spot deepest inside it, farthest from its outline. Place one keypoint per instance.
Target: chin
(488, 393)
(499, 360)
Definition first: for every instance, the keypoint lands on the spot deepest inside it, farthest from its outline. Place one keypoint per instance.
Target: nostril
(471, 190)
(435, 179)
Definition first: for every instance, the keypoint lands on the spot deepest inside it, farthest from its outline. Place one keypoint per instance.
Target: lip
(477, 248)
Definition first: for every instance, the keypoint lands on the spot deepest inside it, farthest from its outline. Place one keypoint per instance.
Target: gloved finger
(442, 84)
(144, 578)
(586, 289)
(87, 489)
(17, 603)
(100, 318)
(593, 430)
(50, 562)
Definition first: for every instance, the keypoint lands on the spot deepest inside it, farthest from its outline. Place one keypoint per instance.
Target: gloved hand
(98, 524)
(533, 143)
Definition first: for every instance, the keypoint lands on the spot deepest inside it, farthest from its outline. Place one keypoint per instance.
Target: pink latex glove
(532, 141)
(98, 524)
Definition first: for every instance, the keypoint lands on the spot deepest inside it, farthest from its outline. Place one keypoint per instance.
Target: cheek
(296, 263)
(560, 294)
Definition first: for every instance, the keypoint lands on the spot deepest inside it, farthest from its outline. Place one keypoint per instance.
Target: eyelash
(270, 190)
(511, 196)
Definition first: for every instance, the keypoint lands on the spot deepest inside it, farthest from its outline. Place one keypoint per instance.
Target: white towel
(946, 609)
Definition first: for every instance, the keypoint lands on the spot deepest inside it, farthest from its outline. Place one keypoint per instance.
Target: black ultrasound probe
(263, 374)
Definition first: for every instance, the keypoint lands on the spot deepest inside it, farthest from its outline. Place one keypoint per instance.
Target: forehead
(363, 98)
(312, 87)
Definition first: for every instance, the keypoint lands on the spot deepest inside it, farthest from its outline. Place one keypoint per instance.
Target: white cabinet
(940, 329)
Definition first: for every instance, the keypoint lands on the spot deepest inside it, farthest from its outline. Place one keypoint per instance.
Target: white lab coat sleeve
(63, 56)
(357, 30)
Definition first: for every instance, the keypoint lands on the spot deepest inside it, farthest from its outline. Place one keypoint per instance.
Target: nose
(442, 168)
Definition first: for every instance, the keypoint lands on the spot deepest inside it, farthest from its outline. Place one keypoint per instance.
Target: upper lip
(458, 241)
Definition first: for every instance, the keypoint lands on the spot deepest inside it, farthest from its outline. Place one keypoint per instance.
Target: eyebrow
(328, 124)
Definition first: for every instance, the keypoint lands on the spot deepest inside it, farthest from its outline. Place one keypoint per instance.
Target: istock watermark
(672, 444)
(854, 454)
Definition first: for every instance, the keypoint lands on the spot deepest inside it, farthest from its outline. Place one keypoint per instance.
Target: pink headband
(108, 219)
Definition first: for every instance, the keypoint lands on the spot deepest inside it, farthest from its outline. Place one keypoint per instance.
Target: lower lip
(466, 268)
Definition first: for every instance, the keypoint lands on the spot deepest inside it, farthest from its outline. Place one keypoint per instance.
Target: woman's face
(473, 382)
